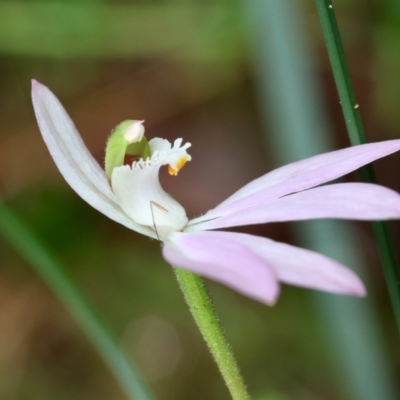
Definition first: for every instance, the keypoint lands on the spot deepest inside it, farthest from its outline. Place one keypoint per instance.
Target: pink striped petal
(296, 266)
(220, 258)
(360, 201)
(73, 159)
(303, 175)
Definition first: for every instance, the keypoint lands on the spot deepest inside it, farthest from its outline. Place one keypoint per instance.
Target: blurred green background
(188, 68)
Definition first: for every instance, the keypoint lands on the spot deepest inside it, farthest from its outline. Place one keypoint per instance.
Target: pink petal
(303, 175)
(73, 159)
(299, 267)
(360, 201)
(225, 260)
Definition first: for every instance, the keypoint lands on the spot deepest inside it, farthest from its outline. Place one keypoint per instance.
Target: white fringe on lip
(139, 192)
(162, 153)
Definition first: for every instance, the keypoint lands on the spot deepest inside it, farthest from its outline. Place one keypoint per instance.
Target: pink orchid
(254, 266)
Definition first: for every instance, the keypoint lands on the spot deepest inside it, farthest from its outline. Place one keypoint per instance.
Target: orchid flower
(129, 192)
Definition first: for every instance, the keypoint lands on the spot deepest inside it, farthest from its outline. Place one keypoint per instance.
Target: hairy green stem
(64, 287)
(356, 134)
(203, 312)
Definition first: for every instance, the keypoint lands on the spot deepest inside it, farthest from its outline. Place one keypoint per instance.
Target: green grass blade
(356, 134)
(30, 248)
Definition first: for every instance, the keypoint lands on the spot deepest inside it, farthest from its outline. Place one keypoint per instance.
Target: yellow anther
(181, 163)
(172, 171)
(178, 166)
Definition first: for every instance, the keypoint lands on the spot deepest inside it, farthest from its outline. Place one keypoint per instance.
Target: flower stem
(64, 287)
(203, 312)
(356, 134)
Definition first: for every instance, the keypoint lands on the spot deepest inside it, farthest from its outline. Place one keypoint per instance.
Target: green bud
(125, 144)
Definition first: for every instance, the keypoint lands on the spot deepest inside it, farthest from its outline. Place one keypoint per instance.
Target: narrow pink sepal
(217, 257)
(359, 201)
(296, 266)
(303, 175)
(74, 160)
